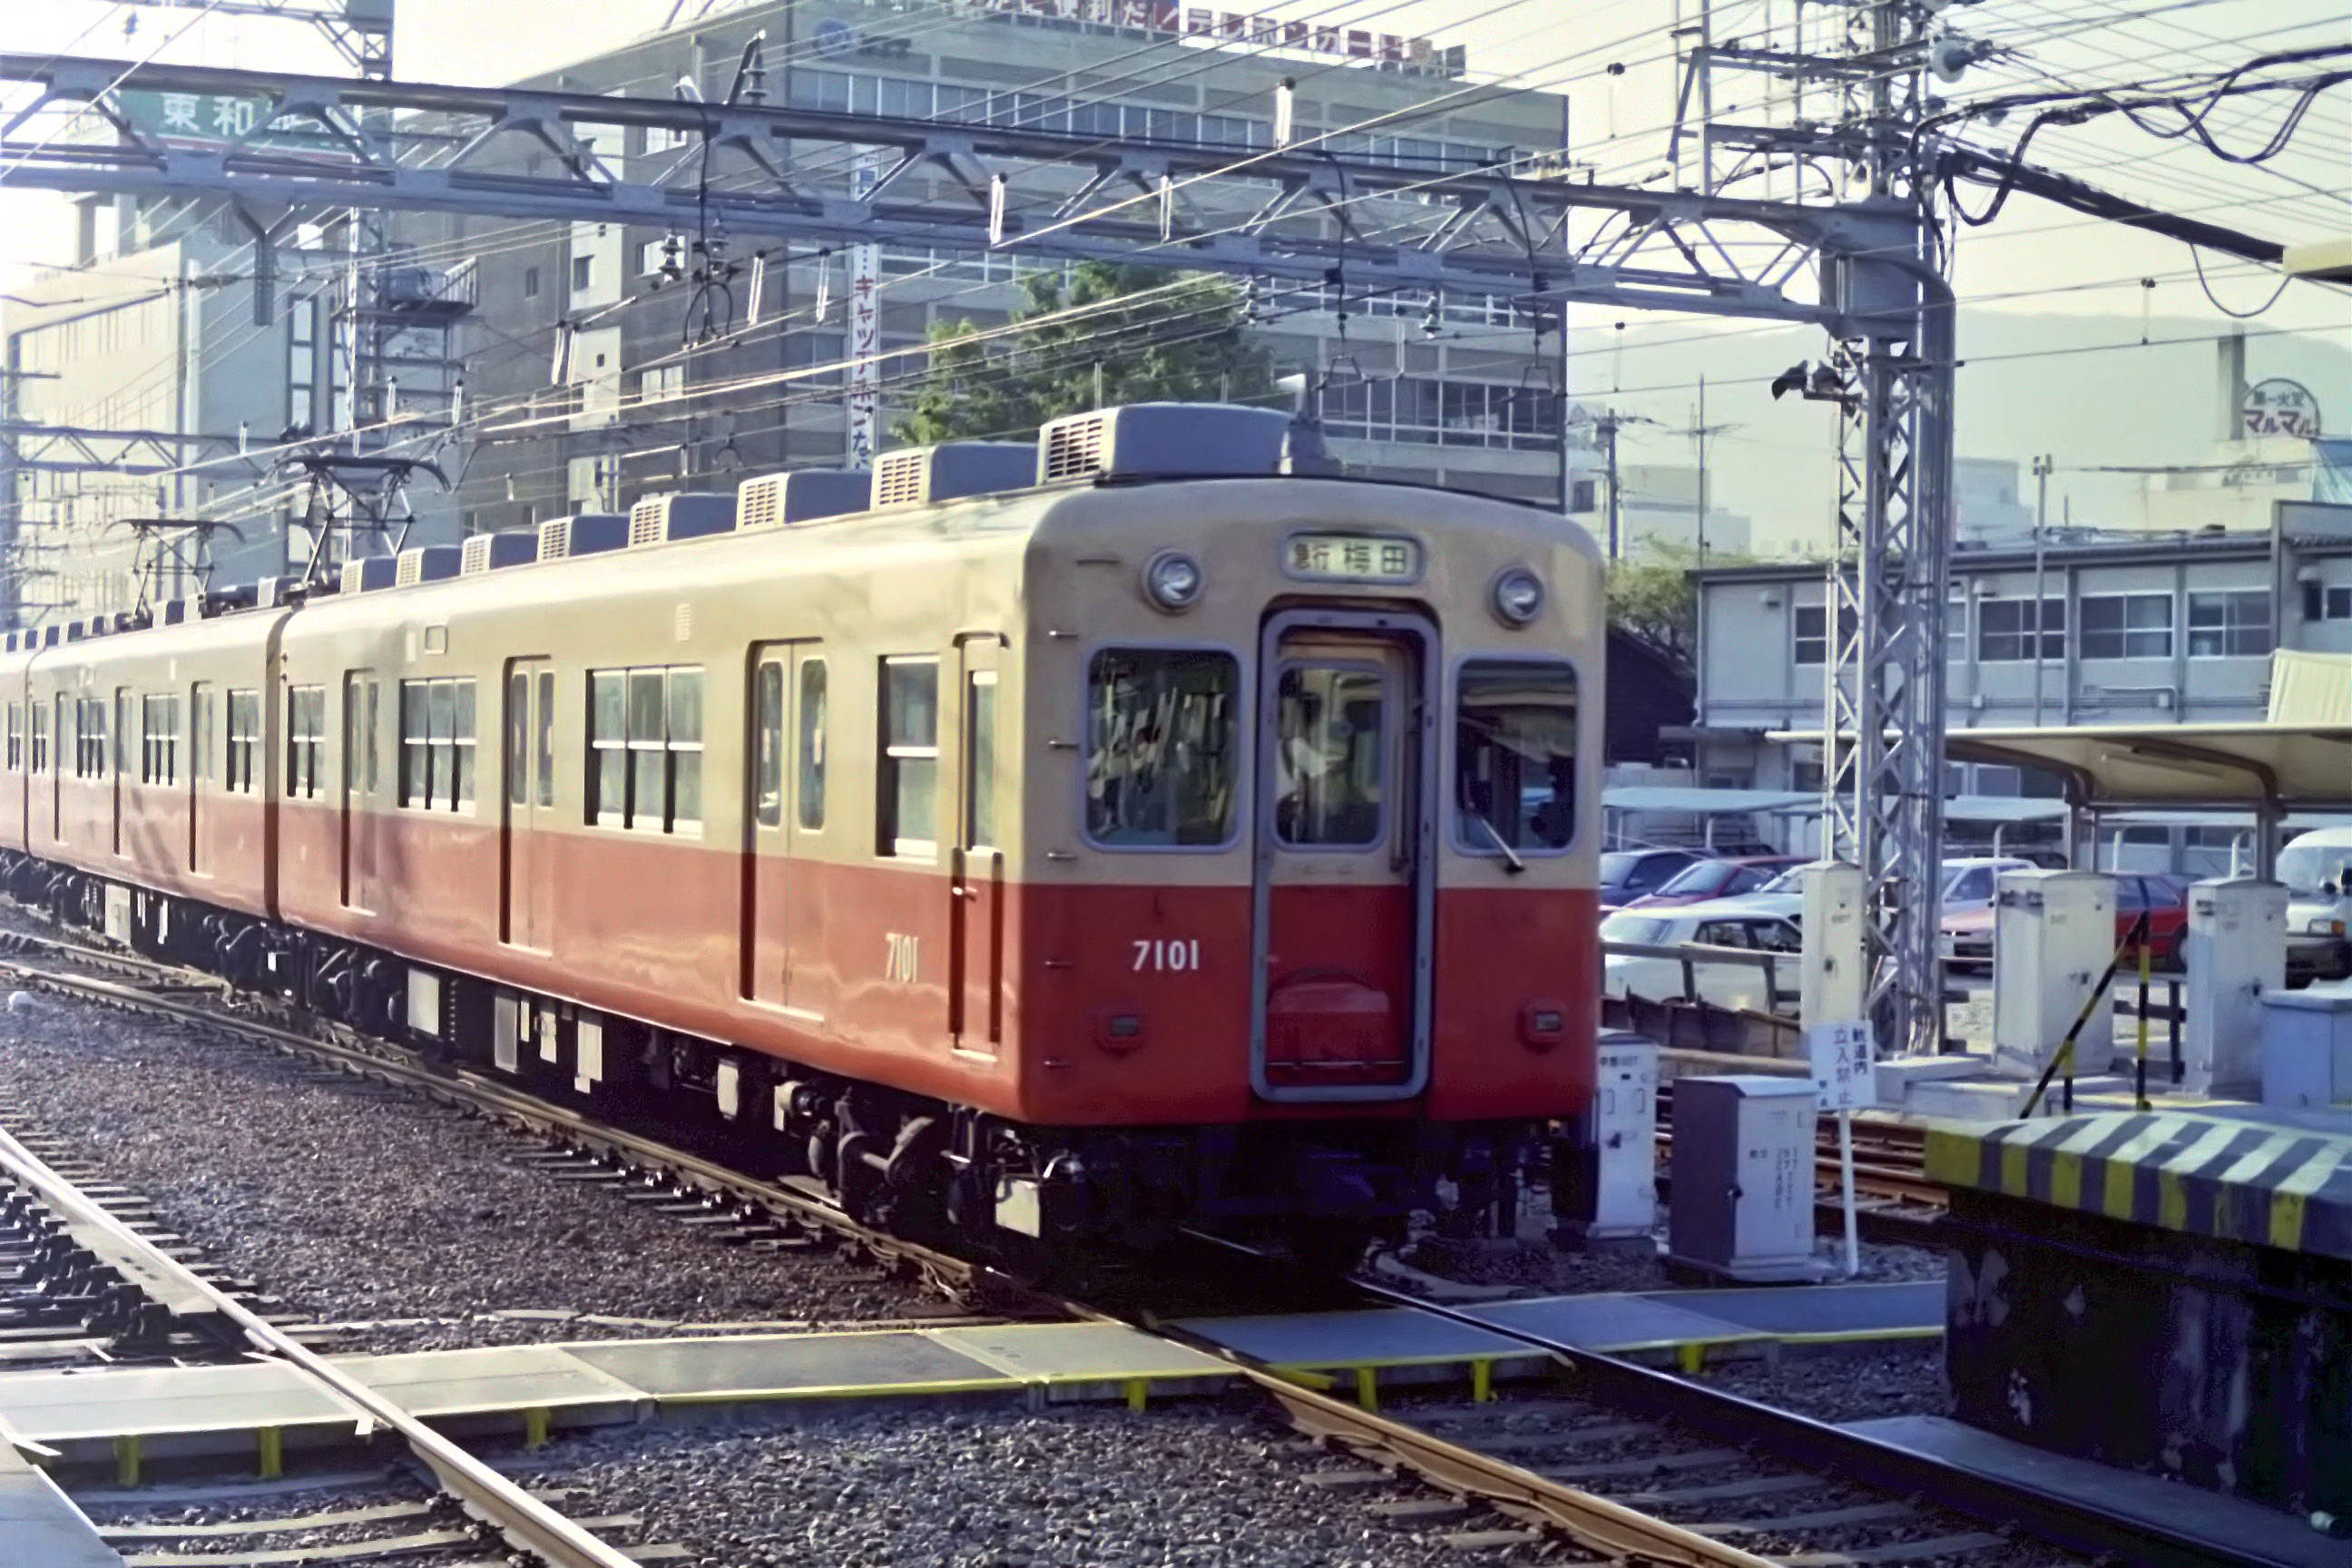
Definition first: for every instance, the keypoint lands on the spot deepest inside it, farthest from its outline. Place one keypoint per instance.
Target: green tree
(1158, 335)
(1653, 598)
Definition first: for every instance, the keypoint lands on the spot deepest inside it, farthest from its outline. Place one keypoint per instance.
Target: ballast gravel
(358, 1204)
(1846, 1384)
(1182, 1487)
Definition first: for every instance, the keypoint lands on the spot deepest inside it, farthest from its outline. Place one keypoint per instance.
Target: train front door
(1344, 873)
(527, 868)
(976, 868)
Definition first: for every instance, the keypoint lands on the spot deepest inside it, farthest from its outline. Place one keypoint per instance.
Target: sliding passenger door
(527, 866)
(782, 935)
(364, 801)
(976, 868)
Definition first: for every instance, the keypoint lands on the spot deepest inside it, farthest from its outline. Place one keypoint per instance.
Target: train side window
(159, 739)
(980, 761)
(546, 736)
(40, 738)
(517, 738)
(1514, 757)
(306, 741)
(16, 737)
(768, 745)
(437, 743)
(243, 742)
(1162, 734)
(200, 732)
(909, 775)
(812, 755)
(644, 741)
(89, 738)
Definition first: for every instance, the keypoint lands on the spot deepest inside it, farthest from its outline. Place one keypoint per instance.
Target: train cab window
(644, 749)
(909, 771)
(244, 742)
(812, 748)
(306, 741)
(1163, 728)
(1330, 759)
(437, 743)
(1514, 757)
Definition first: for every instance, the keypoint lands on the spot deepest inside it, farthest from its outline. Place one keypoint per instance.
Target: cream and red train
(1071, 842)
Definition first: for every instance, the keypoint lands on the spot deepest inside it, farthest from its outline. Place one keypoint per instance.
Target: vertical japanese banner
(865, 323)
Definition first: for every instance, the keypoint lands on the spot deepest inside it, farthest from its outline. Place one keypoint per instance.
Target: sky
(2036, 280)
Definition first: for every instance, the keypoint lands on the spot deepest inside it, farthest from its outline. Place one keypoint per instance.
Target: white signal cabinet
(2235, 949)
(2053, 935)
(1834, 976)
(1605, 1168)
(1742, 1205)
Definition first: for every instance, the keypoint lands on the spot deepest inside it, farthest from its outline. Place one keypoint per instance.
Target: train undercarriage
(1033, 1198)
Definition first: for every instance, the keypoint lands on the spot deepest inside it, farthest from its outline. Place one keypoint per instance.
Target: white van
(2317, 867)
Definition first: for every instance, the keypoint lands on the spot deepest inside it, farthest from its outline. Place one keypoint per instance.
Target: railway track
(1668, 1436)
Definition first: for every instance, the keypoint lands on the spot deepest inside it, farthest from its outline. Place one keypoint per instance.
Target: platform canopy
(2267, 769)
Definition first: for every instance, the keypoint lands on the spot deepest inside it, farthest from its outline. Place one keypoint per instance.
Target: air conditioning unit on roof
(427, 563)
(369, 573)
(584, 533)
(802, 495)
(1177, 440)
(924, 476)
(666, 519)
(490, 551)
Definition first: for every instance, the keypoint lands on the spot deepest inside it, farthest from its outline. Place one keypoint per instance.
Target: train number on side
(899, 958)
(1174, 956)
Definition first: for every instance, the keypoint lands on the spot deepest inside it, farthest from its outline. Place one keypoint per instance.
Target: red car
(1716, 879)
(1967, 936)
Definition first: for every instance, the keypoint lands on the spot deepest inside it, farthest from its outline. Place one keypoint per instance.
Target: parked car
(1704, 879)
(1737, 925)
(1629, 874)
(2317, 867)
(1971, 883)
(1968, 935)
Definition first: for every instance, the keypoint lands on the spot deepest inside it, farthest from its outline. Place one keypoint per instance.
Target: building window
(1808, 628)
(2126, 626)
(2335, 603)
(1584, 495)
(811, 773)
(531, 282)
(661, 383)
(583, 272)
(644, 749)
(2230, 625)
(89, 738)
(159, 740)
(244, 742)
(436, 744)
(909, 770)
(306, 741)
(2006, 629)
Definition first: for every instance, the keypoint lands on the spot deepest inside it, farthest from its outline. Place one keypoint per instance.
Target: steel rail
(2072, 1523)
(523, 1520)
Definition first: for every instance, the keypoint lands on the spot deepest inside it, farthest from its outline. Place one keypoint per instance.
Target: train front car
(1311, 941)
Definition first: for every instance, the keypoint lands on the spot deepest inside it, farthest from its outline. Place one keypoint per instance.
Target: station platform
(1684, 1326)
(128, 1416)
(39, 1525)
(2275, 1179)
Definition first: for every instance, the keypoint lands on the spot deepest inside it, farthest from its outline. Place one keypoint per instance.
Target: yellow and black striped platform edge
(2202, 1176)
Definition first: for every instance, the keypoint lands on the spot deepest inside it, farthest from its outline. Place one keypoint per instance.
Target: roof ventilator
(666, 519)
(1179, 440)
(587, 533)
(923, 476)
(490, 551)
(803, 495)
(369, 572)
(425, 564)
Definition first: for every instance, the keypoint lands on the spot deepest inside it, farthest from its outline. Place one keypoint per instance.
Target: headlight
(2327, 928)
(1519, 597)
(1172, 580)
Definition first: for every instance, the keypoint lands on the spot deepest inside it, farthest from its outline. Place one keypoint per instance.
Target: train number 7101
(1171, 955)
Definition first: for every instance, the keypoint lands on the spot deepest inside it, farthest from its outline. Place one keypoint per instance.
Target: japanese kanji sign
(1842, 1057)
